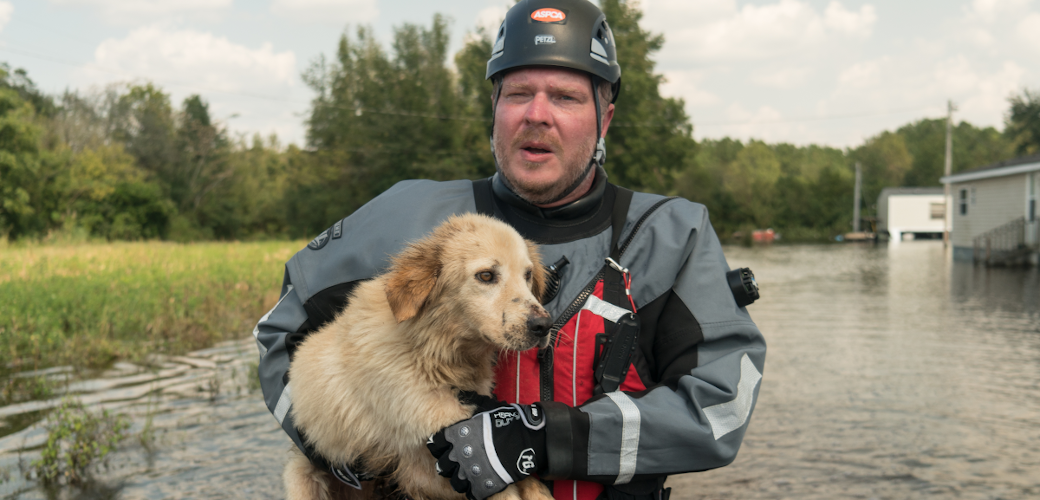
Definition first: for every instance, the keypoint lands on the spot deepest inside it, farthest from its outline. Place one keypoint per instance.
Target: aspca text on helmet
(549, 16)
(544, 39)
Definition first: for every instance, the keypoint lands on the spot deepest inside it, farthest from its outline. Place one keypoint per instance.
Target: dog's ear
(538, 273)
(412, 276)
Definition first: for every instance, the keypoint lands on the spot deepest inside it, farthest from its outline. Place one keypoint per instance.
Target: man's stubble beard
(543, 194)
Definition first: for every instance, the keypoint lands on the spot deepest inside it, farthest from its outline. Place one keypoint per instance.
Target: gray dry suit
(702, 352)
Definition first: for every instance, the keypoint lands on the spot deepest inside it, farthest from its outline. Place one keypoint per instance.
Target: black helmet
(566, 33)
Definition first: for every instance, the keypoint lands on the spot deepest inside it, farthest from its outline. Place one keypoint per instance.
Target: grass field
(87, 304)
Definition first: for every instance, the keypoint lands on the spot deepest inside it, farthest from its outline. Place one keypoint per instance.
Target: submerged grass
(87, 304)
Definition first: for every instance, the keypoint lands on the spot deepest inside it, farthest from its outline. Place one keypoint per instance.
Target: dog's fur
(383, 376)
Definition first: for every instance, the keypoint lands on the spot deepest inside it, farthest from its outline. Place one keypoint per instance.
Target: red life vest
(517, 379)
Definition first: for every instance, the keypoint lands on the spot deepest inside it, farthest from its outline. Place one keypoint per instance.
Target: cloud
(858, 24)
(137, 10)
(6, 9)
(686, 84)
(258, 84)
(989, 9)
(705, 30)
(490, 18)
(783, 78)
(187, 56)
(1028, 31)
(336, 12)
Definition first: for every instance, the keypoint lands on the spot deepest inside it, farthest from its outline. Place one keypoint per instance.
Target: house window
(964, 202)
(938, 210)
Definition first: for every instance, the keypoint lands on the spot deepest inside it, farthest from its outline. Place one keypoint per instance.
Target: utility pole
(856, 200)
(947, 168)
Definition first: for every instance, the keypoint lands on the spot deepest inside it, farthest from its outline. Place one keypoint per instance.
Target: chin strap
(600, 156)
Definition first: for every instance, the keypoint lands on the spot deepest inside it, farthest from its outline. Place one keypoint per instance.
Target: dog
(386, 373)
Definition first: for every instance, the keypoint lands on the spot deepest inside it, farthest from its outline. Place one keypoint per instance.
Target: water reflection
(892, 373)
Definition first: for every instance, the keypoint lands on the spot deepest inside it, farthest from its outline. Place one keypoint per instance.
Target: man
(653, 367)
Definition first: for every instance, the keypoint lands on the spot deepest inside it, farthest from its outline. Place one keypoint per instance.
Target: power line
(819, 118)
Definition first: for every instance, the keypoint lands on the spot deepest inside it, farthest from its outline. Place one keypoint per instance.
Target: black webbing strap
(613, 283)
(622, 200)
(483, 197)
(619, 344)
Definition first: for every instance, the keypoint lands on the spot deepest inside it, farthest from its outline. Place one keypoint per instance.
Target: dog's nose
(539, 326)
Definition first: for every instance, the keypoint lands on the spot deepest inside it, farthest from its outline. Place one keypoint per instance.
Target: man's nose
(538, 109)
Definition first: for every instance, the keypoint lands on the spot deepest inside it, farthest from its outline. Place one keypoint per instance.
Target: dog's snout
(539, 325)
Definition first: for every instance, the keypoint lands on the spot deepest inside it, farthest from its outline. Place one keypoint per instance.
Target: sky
(829, 72)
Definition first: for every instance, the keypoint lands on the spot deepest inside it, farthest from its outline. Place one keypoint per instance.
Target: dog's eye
(486, 276)
(527, 275)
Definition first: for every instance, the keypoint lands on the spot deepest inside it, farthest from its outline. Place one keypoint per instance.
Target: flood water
(891, 373)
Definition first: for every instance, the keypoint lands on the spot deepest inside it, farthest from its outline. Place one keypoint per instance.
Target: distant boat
(856, 236)
(763, 235)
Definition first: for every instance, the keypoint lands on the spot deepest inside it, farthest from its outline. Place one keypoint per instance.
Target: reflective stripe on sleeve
(728, 417)
(284, 403)
(629, 435)
(256, 329)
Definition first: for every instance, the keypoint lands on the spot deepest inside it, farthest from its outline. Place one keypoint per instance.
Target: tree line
(125, 163)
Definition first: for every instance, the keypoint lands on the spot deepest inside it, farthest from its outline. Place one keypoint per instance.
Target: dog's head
(477, 272)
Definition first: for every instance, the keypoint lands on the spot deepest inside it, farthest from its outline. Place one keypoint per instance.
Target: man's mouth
(535, 150)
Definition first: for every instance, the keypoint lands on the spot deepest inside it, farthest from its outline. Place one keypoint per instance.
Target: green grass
(87, 304)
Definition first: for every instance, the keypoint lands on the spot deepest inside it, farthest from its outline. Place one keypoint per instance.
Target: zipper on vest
(545, 356)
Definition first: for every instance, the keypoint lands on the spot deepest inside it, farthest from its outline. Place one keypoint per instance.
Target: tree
(885, 160)
(1022, 122)
(752, 178)
(650, 141)
(381, 117)
(19, 81)
(22, 172)
(972, 147)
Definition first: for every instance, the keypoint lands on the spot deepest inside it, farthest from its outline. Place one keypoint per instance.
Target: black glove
(493, 449)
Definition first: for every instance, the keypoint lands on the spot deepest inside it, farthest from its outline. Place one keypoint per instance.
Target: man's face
(545, 130)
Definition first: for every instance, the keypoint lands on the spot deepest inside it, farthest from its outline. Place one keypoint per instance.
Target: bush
(77, 443)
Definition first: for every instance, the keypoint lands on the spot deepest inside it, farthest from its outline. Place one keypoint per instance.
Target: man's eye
(486, 276)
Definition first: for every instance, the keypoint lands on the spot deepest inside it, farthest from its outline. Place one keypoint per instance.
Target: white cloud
(863, 74)
(257, 85)
(1028, 30)
(186, 56)
(137, 10)
(337, 12)
(889, 84)
(686, 84)
(6, 9)
(989, 9)
(858, 24)
(720, 31)
(783, 78)
(490, 18)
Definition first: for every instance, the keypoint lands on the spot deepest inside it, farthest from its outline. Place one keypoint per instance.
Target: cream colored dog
(383, 376)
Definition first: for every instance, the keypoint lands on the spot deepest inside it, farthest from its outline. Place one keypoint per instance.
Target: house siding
(991, 203)
(912, 213)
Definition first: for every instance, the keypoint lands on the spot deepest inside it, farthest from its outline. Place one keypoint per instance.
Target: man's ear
(412, 277)
(538, 272)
